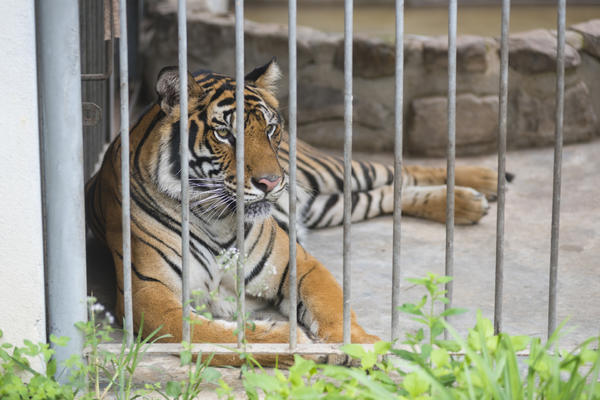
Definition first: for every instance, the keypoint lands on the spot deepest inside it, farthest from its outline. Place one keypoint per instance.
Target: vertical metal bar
(558, 143)
(62, 144)
(398, 120)
(348, 4)
(183, 153)
(502, 118)
(126, 200)
(293, 318)
(451, 153)
(239, 137)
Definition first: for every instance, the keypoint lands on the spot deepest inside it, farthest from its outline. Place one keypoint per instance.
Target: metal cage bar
(239, 154)
(451, 149)
(558, 143)
(293, 318)
(185, 172)
(293, 347)
(502, 123)
(125, 195)
(347, 166)
(398, 120)
(59, 83)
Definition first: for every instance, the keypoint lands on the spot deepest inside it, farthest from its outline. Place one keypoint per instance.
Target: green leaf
(354, 350)
(59, 341)
(265, 382)
(410, 308)
(186, 357)
(440, 357)
(382, 347)
(449, 345)
(520, 342)
(453, 311)
(51, 368)
(414, 384)
(173, 389)
(211, 375)
(437, 328)
(369, 359)
(444, 279)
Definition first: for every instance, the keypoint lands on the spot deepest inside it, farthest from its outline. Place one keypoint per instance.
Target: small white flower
(97, 307)
(110, 318)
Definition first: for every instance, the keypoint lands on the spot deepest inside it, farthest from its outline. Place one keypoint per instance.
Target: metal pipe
(293, 318)
(59, 81)
(558, 143)
(239, 153)
(126, 200)
(347, 164)
(451, 150)
(502, 119)
(398, 104)
(184, 157)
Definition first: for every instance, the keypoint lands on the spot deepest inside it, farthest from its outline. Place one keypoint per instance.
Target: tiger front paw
(469, 206)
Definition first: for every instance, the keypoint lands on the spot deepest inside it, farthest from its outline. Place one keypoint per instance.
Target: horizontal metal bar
(255, 348)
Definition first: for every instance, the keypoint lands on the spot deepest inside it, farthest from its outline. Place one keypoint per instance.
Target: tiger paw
(469, 206)
(483, 180)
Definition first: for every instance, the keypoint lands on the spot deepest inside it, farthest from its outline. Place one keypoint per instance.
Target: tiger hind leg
(429, 202)
(482, 179)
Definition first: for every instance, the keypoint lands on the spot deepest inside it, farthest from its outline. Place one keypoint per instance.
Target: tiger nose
(266, 183)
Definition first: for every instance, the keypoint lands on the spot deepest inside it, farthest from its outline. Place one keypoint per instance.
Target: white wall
(22, 305)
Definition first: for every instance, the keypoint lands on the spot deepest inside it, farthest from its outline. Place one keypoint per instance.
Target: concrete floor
(527, 250)
(527, 255)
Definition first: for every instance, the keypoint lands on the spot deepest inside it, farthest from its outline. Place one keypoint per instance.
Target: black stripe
(334, 198)
(368, 180)
(280, 288)
(261, 264)
(369, 200)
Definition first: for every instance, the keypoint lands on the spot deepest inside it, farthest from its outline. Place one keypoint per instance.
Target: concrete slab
(527, 250)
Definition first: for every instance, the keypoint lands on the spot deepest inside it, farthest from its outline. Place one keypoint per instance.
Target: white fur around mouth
(257, 209)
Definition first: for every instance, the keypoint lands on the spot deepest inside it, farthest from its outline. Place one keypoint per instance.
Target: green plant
(18, 380)
(480, 366)
(105, 371)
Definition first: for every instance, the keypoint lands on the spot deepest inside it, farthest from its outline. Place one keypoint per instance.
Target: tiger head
(212, 141)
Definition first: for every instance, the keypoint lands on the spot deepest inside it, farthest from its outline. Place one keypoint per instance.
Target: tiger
(156, 202)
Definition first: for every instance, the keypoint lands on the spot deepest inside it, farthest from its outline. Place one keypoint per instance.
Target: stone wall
(320, 82)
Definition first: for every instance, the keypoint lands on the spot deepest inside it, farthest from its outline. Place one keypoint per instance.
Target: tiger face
(213, 140)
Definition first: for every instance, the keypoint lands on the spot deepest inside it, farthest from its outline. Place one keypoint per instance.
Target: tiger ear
(265, 76)
(167, 88)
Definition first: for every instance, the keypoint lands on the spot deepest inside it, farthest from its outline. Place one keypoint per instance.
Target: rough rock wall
(320, 82)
